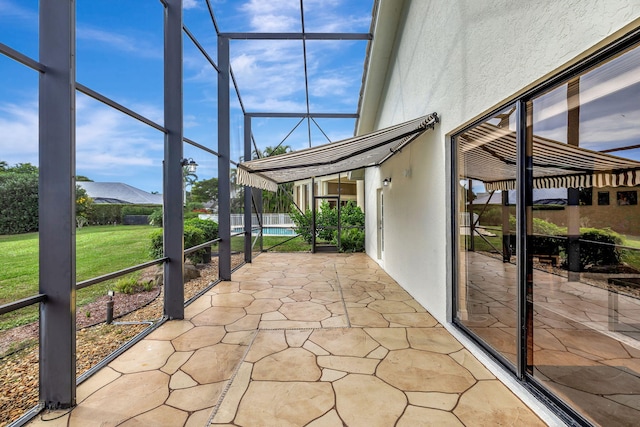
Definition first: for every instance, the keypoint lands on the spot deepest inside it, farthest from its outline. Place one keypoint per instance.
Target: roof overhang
(349, 154)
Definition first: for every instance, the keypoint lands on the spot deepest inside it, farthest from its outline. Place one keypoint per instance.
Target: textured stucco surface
(460, 58)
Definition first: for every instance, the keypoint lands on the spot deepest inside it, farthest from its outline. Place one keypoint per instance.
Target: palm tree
(189, 179)
(280, 200)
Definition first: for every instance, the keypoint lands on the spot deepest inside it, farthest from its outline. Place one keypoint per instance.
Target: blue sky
(119, 54)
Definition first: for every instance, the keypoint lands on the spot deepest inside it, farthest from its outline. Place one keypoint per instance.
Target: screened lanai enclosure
(187, 142)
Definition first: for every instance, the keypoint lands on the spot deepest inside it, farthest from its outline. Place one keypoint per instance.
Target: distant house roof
(119, 193)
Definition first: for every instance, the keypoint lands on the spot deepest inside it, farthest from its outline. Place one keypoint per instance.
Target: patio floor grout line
(214, 410)
(344, 303)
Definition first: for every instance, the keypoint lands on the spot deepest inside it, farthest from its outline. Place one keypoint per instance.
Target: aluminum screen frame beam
(248, 223)
(173, 180)
(224, 160)
(56, 204)
(297, 36)
(305, 115)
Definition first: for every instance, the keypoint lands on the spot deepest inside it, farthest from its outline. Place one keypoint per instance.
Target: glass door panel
(486, 292)
(584, 241)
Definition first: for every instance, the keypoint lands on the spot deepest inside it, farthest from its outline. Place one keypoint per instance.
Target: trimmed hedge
(597, 247)
(19, 214)
(109, 214)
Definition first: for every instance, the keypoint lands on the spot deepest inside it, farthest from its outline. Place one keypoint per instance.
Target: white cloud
(13, 10)
(327, 16)
(19, 137)
(271, 73)
(138, 45)
(330, 86)
(191, 4)
(611, 131)
(276, 74)
(107, 142)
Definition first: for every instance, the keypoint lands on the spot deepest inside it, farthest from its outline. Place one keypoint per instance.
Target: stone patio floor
(298, 340)
(586, 339)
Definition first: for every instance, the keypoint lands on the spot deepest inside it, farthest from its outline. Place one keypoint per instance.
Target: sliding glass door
(547, 264)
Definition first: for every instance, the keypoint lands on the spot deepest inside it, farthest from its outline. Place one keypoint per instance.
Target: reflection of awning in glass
(349, 154)
(490, 156)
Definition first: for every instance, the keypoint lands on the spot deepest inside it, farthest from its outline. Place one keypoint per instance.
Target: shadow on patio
(298, 340)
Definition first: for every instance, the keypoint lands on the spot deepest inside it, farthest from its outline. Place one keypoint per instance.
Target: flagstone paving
(298, 340)
(586, 338)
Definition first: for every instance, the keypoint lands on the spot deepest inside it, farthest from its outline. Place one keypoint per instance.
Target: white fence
(268, 219)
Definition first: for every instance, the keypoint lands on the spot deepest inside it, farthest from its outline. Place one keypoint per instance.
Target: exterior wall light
(386, 182)
(190, 164)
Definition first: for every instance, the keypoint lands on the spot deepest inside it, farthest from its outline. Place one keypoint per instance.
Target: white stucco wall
(459, 58)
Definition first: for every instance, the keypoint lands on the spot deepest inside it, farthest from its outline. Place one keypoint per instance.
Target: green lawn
(99, 250)
(293, 245)
(629, 256)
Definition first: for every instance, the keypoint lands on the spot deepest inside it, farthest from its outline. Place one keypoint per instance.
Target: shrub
(155, 218)
(19, 201)
(156, 248)
(193, 206)
(105, 214)
(327, 222)
(352, 240)
(492, 215)
(208, 227)
(131, 285)
(542, 242)
(84, 203)
(351, 215)
(139, 209)
(597, 247)
(193, 236)
(302, 222)
(190, 215)
(108, 213)
(545, 244)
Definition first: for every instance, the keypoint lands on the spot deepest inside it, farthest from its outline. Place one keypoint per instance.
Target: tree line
(19, 198)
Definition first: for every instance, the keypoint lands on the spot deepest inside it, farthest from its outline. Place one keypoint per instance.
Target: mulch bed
(95, 340)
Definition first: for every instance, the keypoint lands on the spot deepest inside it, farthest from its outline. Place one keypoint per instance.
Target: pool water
(269, 231)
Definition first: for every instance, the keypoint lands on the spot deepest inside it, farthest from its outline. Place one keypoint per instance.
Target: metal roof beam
(305, 115)
(298, 36)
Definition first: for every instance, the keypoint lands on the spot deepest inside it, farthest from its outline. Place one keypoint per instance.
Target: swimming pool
(269, 231)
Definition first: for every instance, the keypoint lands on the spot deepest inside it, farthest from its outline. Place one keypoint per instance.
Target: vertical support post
(172, 174)
(56, 204)
(247, 193)
(224, 154)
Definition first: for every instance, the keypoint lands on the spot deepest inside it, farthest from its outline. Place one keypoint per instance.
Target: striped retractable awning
(488, 153)
(349, 154)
